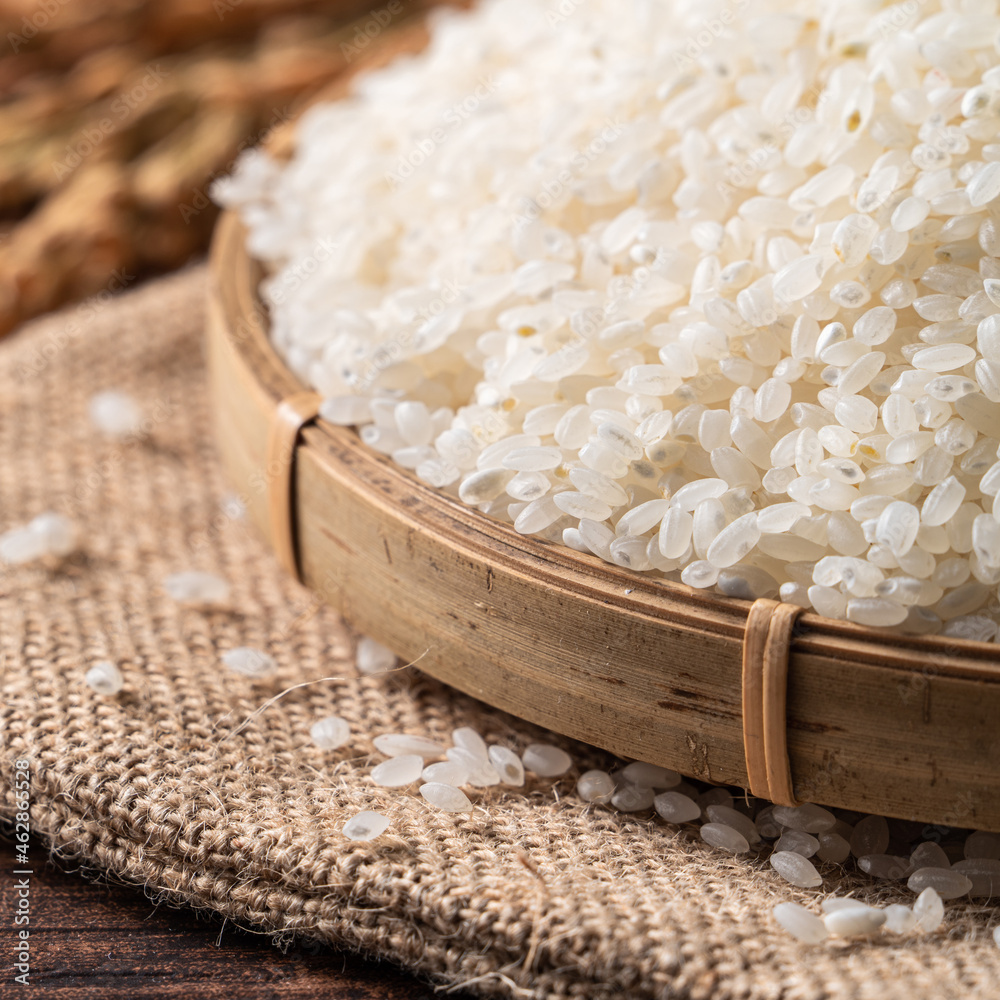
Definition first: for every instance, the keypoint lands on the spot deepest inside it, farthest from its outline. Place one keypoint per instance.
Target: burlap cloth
(183, 785)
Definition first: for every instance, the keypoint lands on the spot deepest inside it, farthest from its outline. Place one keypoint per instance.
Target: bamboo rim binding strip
(290, 416)
(766, 652)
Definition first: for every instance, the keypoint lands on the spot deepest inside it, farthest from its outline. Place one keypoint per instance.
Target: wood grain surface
(91, 940)
(877, 722)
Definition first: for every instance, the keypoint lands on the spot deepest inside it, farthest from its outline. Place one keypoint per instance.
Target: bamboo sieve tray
(863, 719)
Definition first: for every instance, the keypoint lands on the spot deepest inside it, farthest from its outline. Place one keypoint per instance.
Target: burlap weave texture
(186, 783)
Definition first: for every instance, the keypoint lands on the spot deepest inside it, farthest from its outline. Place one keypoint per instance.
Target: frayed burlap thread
(188, 785)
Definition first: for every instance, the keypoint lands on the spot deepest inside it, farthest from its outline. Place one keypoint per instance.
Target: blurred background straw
(116, 115)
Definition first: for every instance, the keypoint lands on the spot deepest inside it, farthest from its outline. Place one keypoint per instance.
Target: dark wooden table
(91, 940)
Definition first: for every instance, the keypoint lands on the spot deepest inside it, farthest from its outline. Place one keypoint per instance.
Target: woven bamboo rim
(787, 705)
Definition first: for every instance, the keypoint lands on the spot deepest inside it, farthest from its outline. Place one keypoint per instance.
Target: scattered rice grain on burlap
(159, 787)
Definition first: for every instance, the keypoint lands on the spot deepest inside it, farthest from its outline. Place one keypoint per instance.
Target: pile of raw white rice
(709, 289)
